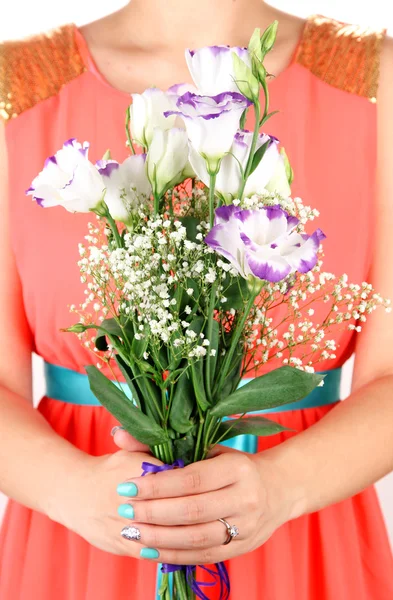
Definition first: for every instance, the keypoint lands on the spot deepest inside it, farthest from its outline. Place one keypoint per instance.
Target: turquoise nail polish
(127, 489)
(126, 511)
(149, 553)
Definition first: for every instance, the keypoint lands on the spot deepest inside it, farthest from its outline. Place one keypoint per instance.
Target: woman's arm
(38, 468)
(352, 446)
(29, 448)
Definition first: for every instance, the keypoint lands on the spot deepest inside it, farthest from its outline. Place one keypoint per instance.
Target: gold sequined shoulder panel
(36, 68)
(344, 56)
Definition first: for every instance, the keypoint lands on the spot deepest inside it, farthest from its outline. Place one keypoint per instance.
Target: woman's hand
(177, 511)
(86, 500)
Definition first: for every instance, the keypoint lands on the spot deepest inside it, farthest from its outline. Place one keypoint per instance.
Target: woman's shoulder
(36, 68)
(346, 56)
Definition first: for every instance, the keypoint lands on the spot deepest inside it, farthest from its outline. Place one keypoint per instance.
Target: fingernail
(116, 428)
(149, 553)
(126, 511)
(127, 489)
(131, 533)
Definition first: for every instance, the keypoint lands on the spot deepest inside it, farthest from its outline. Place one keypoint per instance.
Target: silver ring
(232, 531)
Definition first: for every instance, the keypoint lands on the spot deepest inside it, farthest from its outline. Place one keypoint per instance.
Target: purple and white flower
(147, 113)
(167, 159)
(263, 243)
(229, 177)
(211, 122)
(127, 185)
(212, 68)
(69, 179)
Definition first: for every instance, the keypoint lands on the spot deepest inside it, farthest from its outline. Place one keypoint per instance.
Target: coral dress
(327, 123)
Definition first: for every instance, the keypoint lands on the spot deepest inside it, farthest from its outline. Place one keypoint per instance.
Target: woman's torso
(327, 123)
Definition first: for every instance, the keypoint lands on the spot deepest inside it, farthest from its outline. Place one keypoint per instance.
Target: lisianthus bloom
(69, 179)
(212, 68)
(263, 243)
(211, 122)
(167, 159)
(270, 173)
(147, 113)
(127, 185)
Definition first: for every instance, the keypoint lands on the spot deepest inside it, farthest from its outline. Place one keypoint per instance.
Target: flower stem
(181, 585)
(209, 332)
(115, 231)
(213, 176)
(235, 340)
(257, 111)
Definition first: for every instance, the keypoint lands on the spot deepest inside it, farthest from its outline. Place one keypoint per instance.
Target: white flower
(269, 175)
(211, 122)
(69, 179)
(127, 185)
(166, 159)
(212, 69)
(263, 243)
(147, 113)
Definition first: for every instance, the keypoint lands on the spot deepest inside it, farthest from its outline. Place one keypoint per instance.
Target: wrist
(286, 487)
(68, 474)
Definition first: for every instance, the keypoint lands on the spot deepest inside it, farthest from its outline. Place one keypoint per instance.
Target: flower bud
(268, 38)
(167, 159)
(287, 164)
(245, 79)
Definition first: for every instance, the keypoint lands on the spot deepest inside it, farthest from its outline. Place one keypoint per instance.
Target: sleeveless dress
(50, 91)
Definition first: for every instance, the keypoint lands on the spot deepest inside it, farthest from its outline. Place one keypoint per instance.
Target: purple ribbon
(220, 574)
(148, 468)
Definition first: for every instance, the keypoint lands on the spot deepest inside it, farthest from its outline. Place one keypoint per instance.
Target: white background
(23, 17)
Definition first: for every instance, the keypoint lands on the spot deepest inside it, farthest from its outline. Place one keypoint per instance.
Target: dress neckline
(92, 68)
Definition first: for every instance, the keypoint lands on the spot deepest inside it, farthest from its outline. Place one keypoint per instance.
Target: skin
(177, 511)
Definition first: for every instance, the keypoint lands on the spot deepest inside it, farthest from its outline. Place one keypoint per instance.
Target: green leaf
(231, 381)
(276, 388)
(262, 121)
(214, 341)
(111, 328)
(132, 419)
(191, 223)
(139, 347)
(251, 425)
(185, 448)
(182, 404)
(259, 154)
(243, 118)
(127, 373)
(246, 82)
(237, 292)
(198, 384)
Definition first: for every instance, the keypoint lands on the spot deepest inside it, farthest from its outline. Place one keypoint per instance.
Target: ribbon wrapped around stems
(219, 574)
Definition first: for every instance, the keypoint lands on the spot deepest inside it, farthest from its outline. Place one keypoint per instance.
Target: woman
(303, 534)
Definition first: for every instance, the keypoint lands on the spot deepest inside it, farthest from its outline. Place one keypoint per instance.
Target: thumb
(125, 441)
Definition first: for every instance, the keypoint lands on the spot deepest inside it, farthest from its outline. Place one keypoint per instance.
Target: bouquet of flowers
(198, 268)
